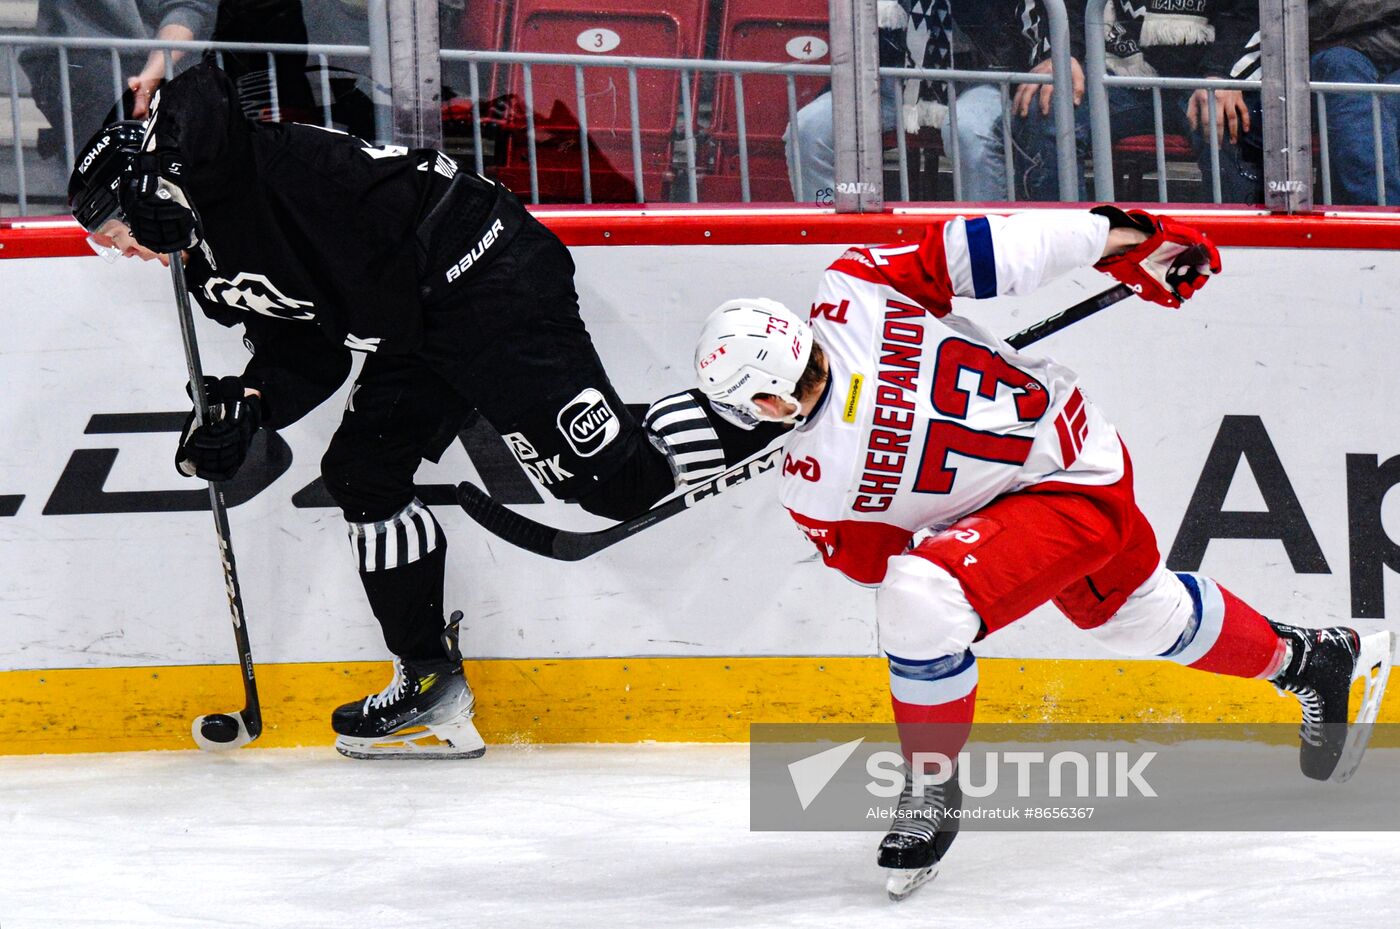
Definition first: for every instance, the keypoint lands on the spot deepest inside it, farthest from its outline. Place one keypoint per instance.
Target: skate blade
(458, 739)
(1373, 662)
(904, 881)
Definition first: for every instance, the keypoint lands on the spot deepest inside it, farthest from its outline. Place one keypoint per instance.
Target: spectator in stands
(1217, 39)
(998, 35)
(90, 80)
(298, 79)
(1358, 41)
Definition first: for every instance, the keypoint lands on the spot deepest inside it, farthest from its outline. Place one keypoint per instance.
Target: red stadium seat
(1135, 156)
(484, 28)
(645, 28)
(1175, 146)
(785, 31)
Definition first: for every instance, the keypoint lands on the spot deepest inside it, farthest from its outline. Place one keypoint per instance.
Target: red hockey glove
(1174, 262)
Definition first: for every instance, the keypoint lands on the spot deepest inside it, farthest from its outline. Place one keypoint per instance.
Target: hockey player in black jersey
(320, 245)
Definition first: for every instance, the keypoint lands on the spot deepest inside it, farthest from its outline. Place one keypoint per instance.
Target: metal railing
(1097, 80)
(1062, 108)
(952, 77)
(1102, 130)
(1320, 89)
(687, 126)
(13, 44)
(687, 129)
(687, 69)
(687, 115)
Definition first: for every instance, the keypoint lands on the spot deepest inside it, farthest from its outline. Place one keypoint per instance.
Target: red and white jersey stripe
(928, 416)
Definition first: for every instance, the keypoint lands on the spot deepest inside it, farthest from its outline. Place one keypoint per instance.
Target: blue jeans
(980, 151)
(981, 154)
(1130, 114)
(1351, 145)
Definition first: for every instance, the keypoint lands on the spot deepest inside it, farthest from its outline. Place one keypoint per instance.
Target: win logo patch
(588, 423)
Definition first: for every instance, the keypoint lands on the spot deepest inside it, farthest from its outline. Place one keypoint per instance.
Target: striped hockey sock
(402, 562)
(933, 701)
(401, 539)
(1226, 635)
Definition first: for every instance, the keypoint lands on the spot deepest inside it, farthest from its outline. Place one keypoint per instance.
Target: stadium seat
(645, 28)
(785, 31)
(1135, 156)
(484, 29)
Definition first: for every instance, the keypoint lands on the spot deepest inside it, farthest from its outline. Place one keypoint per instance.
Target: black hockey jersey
(317, 241)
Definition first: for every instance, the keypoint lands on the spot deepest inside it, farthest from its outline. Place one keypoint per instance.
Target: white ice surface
(584, 837)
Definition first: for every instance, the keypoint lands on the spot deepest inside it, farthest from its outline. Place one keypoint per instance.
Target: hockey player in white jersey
(970, 483)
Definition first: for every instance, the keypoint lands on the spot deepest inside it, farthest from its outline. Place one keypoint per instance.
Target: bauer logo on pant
(588, 423)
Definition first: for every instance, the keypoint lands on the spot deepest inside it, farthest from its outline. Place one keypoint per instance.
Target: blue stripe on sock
(983, 257)
(1194, 589)
(930, 669)
(1197, 611)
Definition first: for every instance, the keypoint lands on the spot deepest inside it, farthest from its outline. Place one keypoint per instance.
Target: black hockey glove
(156, 208)
(215, 450)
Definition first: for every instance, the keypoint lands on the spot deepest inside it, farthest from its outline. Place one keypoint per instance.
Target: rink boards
(1260, 419)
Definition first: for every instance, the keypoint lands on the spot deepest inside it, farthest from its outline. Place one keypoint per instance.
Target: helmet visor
(98, 207)
(101, 239)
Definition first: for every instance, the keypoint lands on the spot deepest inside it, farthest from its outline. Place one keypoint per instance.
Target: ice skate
(425, 712)
(1322, 665)
(920, 836)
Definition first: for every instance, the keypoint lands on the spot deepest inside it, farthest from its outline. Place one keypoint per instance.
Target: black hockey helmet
(92, 187)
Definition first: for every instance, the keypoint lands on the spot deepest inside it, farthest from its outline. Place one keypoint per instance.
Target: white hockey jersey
(927, 416)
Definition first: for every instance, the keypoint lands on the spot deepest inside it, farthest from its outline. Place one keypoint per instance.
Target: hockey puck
(219, 727)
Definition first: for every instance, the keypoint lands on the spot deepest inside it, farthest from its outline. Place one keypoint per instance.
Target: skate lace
(392, 692)
(929, 808)
(1311, 729)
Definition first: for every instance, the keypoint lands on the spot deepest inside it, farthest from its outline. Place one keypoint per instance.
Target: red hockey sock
(1230, 636)
(933, 702)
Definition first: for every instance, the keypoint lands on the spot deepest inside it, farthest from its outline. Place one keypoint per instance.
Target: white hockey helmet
(752, 346)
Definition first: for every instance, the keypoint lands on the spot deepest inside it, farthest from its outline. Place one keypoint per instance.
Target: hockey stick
(1066, 318)
(218, 731)
(563, 545)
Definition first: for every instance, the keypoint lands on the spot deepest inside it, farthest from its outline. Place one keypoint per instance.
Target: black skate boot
(924, 827)
(425, 712)
(1319, 670)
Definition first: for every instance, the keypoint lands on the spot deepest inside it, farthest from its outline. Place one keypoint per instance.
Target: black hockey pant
(512, 346)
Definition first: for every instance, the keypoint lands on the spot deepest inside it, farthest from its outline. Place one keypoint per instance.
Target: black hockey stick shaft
(563, 545)
(217, 736)
(1081, 310)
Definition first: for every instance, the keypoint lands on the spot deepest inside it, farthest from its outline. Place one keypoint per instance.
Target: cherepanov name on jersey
(888, 445)
(473, 256)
